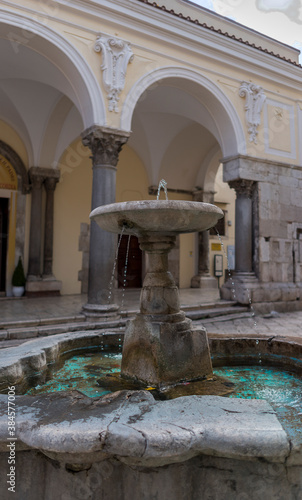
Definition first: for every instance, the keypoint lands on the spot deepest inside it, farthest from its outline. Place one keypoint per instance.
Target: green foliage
(18, 278)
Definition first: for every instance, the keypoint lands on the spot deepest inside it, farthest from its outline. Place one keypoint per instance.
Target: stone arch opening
(12, 213)
(183, 125)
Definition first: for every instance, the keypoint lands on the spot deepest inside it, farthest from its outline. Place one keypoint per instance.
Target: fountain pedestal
(160, 346)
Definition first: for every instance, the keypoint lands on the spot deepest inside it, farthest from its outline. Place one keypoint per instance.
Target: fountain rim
(125, 215)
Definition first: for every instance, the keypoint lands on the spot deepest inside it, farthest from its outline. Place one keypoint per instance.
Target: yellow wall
(131, 180)
(225, 199)
(72, 207)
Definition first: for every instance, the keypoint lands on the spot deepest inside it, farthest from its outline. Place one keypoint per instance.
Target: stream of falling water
(114, 267)
(125, 271)
(233, 283)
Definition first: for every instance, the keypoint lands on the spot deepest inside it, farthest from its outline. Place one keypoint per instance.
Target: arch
(67, 59)
(17, 163)
(231, 135)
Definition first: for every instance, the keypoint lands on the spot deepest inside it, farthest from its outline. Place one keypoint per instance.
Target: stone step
(208, 305)
(36, 322)
(222, 304)
(215, 312)
(43, 331)
(14, 331)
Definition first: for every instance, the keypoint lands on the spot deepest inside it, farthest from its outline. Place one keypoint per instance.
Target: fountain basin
(169, 217)
(128, 437)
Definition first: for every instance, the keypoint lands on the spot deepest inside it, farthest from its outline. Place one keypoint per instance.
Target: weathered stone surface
(160, 353)
(157, 216)
(136, 429)
(202, 477)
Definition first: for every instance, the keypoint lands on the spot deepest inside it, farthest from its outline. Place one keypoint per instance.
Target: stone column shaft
(203, 278)
(105, 145)
(50, 185)
(243, 225)
(34, 261)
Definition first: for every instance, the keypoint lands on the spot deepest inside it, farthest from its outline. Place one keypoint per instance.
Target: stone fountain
(161, 347)
(127, 444)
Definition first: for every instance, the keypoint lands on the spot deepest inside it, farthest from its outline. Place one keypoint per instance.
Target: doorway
(3, 241)
(134, 267)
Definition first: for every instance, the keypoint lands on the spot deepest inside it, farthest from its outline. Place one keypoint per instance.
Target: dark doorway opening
(3, 241)
(134, 267)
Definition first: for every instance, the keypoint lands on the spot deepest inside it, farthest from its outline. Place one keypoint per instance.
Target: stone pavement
(268, 325)
(71, 305)
(21, 313)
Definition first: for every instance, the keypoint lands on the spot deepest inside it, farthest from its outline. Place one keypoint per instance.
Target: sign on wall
(8, 177)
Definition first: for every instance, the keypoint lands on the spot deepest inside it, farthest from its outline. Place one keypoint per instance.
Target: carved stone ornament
(254, 100)
(117, 54)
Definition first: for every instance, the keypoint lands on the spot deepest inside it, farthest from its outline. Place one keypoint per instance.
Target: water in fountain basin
(282, 388)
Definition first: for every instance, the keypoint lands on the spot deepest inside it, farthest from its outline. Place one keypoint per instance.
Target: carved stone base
(263, 296)
(204, 281)
(103, 312)
(163, 353)
(240, 288)
(43, 287)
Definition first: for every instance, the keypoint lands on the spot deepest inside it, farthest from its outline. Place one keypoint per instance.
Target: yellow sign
(8, 177)
(216, 247)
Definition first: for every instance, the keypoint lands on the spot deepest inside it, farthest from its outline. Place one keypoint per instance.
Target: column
(243, 225)
(105, 145)
(203, 278)
(39, 285)
(34, 260)
(50, 185)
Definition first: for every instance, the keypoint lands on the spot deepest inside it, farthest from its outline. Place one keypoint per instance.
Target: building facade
(100, 100)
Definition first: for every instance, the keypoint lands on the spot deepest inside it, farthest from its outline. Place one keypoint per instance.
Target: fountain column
(161, 346)
(203, 279)
(105, 145)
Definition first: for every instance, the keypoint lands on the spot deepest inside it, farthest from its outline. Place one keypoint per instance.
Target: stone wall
(204, 477)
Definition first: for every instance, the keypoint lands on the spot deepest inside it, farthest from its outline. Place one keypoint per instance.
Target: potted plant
(18, 280)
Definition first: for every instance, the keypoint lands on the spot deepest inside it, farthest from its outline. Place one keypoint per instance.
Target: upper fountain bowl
(170, 217)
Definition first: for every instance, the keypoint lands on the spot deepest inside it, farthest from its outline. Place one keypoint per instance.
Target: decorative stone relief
(254, 100)
(117, 54)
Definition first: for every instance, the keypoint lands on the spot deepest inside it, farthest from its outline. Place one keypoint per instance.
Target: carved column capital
(105, 144)
(50, 183)
(243, 187)
(36, 177)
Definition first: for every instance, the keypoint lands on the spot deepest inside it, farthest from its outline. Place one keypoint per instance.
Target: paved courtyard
(69, 307)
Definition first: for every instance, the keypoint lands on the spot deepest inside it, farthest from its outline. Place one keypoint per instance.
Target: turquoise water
(280, 387)
(80, 372)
